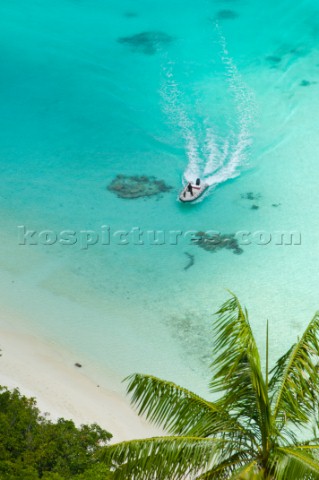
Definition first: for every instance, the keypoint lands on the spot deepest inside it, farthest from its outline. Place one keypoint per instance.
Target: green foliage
(96, 472)
(33, 447)
(10, 470)
(249, 433)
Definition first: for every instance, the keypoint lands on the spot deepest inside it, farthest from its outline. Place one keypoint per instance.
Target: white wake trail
(235, 153)
(173, 108)
(215, 153)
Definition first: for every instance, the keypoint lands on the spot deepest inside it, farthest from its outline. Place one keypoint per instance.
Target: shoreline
(45, 372)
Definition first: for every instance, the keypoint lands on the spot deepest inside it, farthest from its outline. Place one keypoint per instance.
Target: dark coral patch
(137, 186)
(226, 15)
(287, 53)
(305, 83)
(250, 196)
(214, 243)
(147, 42)
(274, 59)
(191, 260)
(130, 14)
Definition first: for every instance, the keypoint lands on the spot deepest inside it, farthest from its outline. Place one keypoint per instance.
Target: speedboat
(192, 192)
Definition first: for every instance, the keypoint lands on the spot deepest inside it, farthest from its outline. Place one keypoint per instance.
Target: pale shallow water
(232, 94)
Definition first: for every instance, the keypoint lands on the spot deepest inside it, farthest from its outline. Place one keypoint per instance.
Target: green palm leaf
(225, 469)
(294, 383)
(178, 410)
(237, 369)
(249, 471)
(163, 457)
(294, 463)
(239, 436)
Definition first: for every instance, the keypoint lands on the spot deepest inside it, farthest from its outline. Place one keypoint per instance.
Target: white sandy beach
(42, 371)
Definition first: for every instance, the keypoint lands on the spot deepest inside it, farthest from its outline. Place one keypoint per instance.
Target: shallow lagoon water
(232, 96)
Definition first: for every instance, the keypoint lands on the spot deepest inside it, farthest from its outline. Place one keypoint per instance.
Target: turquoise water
(227, 90)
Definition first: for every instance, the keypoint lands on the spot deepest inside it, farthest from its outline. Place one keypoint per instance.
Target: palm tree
(249, 433)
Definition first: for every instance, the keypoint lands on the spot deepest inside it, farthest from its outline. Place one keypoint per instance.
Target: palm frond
(171, 458)
(227, 467)
(237, 370)
(178, 410)
(293, 463)
(249, 471)
(294, 384)
(311, 443)
(236, 437)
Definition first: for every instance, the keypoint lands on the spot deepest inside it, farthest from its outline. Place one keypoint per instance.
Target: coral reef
(137, 186)
(147, 42)
(214, 243)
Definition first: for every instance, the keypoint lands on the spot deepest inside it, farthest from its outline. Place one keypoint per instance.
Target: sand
(44, 371)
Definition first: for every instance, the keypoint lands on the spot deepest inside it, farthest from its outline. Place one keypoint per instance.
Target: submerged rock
(137, 186)
(147, 42)
(213, 243)
(250, 196)
(274, 59)
(287, 53)
(300, 50)
(191, 260)
(130, 14)
(306, 83)
(226, 15)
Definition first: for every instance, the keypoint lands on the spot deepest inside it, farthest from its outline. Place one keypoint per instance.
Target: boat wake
(217, 150)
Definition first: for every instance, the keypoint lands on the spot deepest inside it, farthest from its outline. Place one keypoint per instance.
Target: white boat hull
(198, 190)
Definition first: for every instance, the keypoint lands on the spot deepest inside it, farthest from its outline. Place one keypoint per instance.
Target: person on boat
(190, 188)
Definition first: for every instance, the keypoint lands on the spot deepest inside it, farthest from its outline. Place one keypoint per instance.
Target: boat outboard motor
(197, 181)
